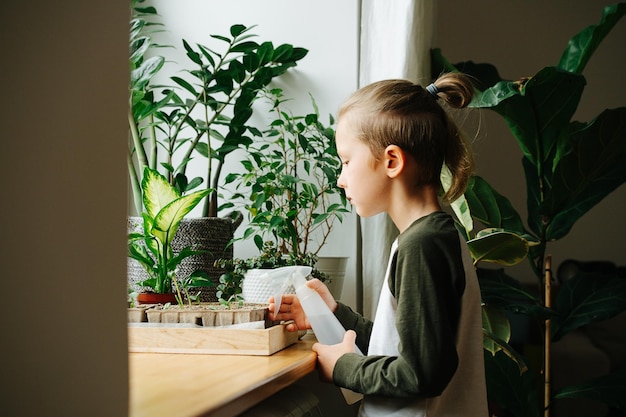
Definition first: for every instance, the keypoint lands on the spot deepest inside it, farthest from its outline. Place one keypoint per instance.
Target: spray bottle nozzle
(279, 280)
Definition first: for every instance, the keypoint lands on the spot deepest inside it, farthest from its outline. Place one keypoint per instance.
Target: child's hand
(324, 292)
(328, 355)
(290, 309)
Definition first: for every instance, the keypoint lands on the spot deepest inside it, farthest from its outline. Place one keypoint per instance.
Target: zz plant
(569, 167)
(203, 111)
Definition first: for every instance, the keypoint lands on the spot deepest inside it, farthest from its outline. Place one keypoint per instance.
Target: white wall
(328, 29)
(63, 207)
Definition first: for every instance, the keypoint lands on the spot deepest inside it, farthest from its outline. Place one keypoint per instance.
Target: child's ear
(394, 159)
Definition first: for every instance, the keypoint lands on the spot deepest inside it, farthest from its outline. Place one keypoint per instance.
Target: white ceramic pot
(256, 289)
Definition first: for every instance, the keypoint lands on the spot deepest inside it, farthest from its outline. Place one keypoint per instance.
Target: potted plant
(165, 208)
(242, 280)
(288, 184)
(201, 112)
(569, 167)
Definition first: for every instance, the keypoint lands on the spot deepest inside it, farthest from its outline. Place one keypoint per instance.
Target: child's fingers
(291, 327)
(350, 338)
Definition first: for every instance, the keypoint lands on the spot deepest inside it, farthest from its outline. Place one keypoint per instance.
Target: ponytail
(456, 90)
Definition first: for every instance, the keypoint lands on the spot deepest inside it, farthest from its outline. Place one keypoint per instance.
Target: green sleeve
(427, 281)
(354, 321)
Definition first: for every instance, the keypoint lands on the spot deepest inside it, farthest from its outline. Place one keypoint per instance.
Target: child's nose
(340, 181)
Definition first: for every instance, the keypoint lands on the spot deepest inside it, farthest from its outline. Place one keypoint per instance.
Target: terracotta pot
(153, 298)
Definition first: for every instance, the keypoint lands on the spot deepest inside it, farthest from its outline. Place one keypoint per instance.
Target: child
(424, 349)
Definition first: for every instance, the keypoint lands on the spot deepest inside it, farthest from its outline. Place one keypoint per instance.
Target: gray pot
(211, 234)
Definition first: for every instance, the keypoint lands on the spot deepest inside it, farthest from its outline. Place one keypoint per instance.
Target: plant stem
(179, 297)
(547, 336)
(142, 160)
(153, 144)
(134, 185)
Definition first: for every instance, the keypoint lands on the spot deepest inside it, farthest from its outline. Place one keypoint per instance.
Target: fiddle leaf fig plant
(569, 167)
(165, 208)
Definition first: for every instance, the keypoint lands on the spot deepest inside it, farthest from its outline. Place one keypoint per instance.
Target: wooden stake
(546, 351)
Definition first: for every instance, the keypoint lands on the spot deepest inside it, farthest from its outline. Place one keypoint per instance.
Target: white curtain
(396, 39)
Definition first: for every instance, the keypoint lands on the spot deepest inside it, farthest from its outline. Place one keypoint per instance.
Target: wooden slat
(207, 340)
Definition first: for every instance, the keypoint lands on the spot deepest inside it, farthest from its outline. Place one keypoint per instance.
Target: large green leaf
(140, 254)
(499, 246)
(592, 169)
(141, 76)
(157, 192)
(583, 45)
(496, 334)
(608, 389)
(537, 111)
(183, 254)
(168, 218)
(150, 242)
(504, 292)
(491, 208)
(496, 325)
(585, 298)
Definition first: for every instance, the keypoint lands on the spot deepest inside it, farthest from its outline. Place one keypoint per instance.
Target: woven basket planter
(210, 234)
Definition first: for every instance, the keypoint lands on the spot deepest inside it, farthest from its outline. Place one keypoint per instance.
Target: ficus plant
(203, 111)
(288, 184)
(152, 248)
(569, 167)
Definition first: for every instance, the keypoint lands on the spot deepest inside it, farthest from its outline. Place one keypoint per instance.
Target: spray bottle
(327, 328)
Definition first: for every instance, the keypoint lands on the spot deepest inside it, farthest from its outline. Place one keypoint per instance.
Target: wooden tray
(181, 338)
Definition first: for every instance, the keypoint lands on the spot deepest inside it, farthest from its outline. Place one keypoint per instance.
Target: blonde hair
(399, 112)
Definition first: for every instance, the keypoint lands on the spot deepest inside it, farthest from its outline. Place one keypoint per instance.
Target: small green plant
(183, 286)
(288, 185)
(165, 208)
(132, 298)
(229, 287)
(271, 257)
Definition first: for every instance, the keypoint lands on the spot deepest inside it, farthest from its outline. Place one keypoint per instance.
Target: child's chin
(363, 213)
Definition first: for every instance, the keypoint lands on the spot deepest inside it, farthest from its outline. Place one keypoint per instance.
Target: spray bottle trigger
(279, 280)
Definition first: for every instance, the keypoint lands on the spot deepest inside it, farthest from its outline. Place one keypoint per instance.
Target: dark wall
(63, 207)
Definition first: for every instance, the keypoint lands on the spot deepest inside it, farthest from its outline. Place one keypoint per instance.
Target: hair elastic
(433, 90)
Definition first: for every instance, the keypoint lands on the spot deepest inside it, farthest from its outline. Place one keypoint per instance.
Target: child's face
(363, 179)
